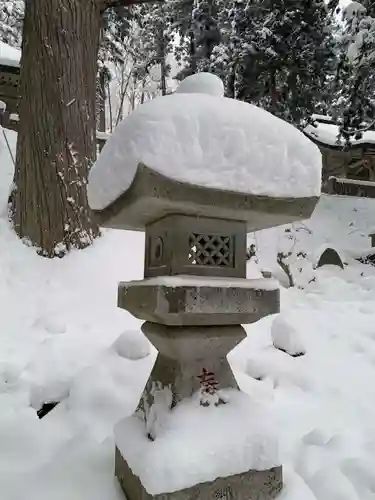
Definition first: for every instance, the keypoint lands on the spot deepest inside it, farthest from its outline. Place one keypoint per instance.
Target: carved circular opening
(158, 250)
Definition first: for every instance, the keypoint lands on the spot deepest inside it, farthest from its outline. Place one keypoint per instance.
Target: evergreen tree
(154, 43)
(11, 17)
(206, 31)
(354, 100)
(282, 51)
(195, 27)
(226, 55)
(369, 5)
(181, 30)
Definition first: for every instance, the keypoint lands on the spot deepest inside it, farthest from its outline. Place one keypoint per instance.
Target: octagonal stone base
(198, 301)
(251, 485)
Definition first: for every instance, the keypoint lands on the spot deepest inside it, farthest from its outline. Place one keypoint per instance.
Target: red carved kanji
(208, 382)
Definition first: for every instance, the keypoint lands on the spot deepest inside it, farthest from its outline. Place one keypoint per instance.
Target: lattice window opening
(211, 250)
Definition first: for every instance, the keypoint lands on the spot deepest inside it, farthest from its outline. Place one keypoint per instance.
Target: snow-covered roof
(327, 134)
(9, 56)
(322, 118)
(209, 141)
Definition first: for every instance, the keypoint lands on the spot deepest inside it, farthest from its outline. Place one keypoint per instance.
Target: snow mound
(192, 448)
(9, 56)
(331, 484)
(256, 368)
(50, 324)
(132, 345)
(353, 10)
(285, 337)
(208, 141)
(202, 83)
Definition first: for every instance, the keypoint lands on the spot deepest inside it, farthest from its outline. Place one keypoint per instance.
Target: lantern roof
(201, 140)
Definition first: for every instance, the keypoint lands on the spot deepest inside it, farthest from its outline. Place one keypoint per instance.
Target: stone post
(194, 298)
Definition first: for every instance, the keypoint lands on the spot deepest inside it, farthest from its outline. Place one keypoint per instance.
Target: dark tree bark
(56, 143)
(56, 138)
(163, 66)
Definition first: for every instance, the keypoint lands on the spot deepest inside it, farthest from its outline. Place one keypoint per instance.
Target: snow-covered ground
(62, 338)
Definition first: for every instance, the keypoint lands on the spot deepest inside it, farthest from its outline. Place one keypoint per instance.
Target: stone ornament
(194, 297)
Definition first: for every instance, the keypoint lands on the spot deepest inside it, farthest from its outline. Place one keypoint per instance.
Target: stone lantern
(194, 297)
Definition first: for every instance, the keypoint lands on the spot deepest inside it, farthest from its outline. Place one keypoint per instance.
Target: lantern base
(250, 485)
(199, 301)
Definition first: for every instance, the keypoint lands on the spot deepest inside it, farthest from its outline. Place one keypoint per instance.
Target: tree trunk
(231, 83)
(163, 66)
(56, 138)
(102, 98)
(193, 58)
(273, 91)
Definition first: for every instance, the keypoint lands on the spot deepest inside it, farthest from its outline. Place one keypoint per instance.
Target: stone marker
(330, 257)
(194, 299)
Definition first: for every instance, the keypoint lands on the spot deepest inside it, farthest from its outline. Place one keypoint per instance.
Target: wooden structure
(356, 161)
(9, 95)
(351, 187)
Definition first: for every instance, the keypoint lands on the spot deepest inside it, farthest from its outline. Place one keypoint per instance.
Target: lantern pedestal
(194, 321)
(189, 359)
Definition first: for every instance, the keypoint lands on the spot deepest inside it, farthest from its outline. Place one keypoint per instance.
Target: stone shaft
(186, 354)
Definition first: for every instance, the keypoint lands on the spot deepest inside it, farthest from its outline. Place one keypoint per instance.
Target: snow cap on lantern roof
(202, 83)
(199, 139)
